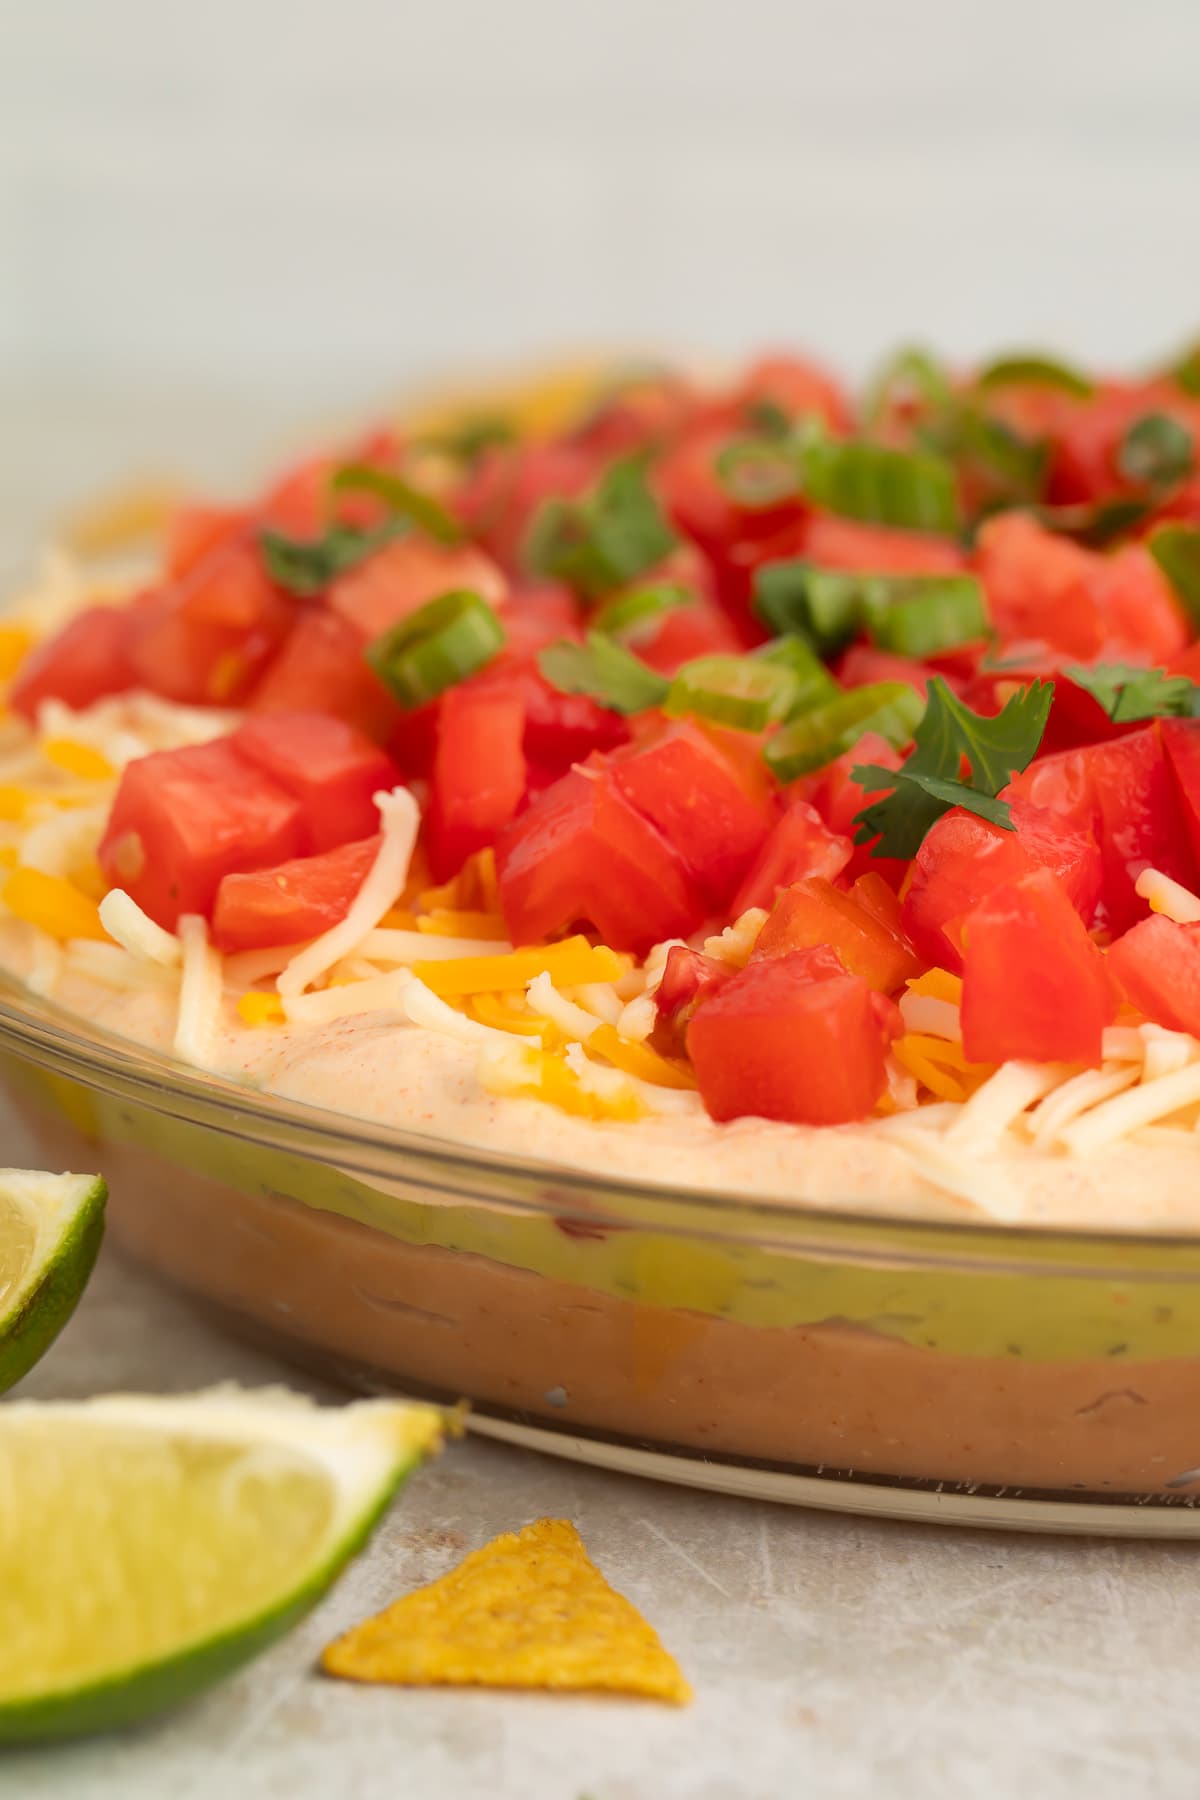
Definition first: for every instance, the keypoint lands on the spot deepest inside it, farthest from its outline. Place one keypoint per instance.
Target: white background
(254, 210)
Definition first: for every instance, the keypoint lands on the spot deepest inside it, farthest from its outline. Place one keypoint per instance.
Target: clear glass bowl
(856, 1356)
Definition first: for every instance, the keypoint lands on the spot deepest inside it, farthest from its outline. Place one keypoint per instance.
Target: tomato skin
(206, 638)
(706, 808)
(184, 819)
(1038, 586)
(479, 773)
(787, 1039)
(1034, 983)
(687, 976)
(321, 668)
(87, 660)
(800, 845)
(1140, 821)
(964, 858)
(195, 530)
(332, 768)
(839, 799)
(581, 852)
(562, 729)
(1181, 741)
(1156, 965)
(698, 629)
(293, 901)
(815, 912)
(404, 576)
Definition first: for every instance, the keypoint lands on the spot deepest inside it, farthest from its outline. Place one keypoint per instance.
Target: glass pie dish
(974, 1372)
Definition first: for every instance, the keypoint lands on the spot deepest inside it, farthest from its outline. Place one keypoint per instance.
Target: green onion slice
(307, 566)
(402, 499)
(911, 489)
(605, 671)
(1176, 550)
(758, 473)
(912, 374)
(814, 683)
(892, 708)
(739, 691)
(920, 615)
(634, 616)
(436, 647)
(1156, 451)
(1034, 370)
(605, 540)
(823, 605)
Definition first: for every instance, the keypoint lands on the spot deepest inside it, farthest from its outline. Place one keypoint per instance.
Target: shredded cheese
(423, 1007)
(931, 1017)
(53, 904)
(734, 944)
(112, 965)
(571, 962)
(1171, 898)
(1130, 1111)
(1064, 1104)
(135, 931)
(989, 1112)
(385, 945)
(1165, 1052)
(382, 887)
(199, 992)
(380, 993)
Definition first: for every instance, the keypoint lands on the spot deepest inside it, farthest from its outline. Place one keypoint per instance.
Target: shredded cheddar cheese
(569, 963)
(445, 922)
(78, 759)
(261, 1009)
(52, 903)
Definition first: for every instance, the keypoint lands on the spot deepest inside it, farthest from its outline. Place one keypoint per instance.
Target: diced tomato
(698, 629)
(698, 502)
(293, 901)
(196, 530)
(1156, 965)
(301, 504)
(322, 668)
(964, 858)
(581, 853)
(562, 729)
(205, 639)
(636, 414)
(85, 661)
(332, 768)
(1034, 983)
(184, 819)
(405, 575)
(839, 798)
(479, 772)
(716, 814)
(687, 975)
(798, 388)
(1143, 621)
(1141, 825)
(837, 543)
(786, 1039)
(1039, 586)
(1181, 741)
(815, 912)
(800, 845)
(501, 495)
(863, 664)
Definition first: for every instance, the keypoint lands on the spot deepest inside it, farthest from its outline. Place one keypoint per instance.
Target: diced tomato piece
(332, 768)
(1141, 825)
(863, 664)
(797, 387)
(581, 853)
(293, 901)
(196, 530)
(716, 814)
(405, 575)
(698, 629)
(1034, 983)
(184, 819)
(1142, 618)
(687, 975)
(815, 912)
(1039, 586)
(636, 414)
(839, 798)
(500, 497)
(322, 668)
(1181, 741)
(964, 858)
(562, 729)
(206, 638)
(479, 772)
(800, 845)
(1156, 965)
(837, 543)
(699, 504)
(786, 1039)
(85, 661)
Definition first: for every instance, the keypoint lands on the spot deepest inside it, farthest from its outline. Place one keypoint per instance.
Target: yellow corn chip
(528, 1610)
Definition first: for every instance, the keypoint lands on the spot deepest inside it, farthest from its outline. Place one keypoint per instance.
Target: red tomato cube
(184, 819)
(1156, 965)
(206, 638)
(333, 770)
(1034, 983)
(85, 661)
(786, 1039)
(322, 668)
(800, 845)
(293, 901)
(405, 575)
(479, 772)
(815, 912)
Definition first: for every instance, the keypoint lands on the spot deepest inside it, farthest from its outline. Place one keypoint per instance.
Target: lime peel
(50, 1232)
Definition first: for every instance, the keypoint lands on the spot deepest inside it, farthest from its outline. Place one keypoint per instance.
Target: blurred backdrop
(219, 224)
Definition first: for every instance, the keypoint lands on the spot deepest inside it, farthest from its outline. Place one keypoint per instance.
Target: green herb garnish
(402, 500)
(606, 540)
(910, 375)
(605, 671)
(1156, 451)
(1128, 693)
(434, 648)
(1034, 370)
(930, 781)
(307, 566)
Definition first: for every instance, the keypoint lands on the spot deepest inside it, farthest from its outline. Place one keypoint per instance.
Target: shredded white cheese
(135, 931)
(199, 992)
(1130, 1111)
(1166, 1051)
(570, 1019)
(46, 964)
(931, 1017)
(383, 886)
(985, 1117)
(423, 1007)
(1063, 1105)
(638, 1018)
(380, 993)
(734, 944)
(1168, 897)
(388, 945)
(600, 999)
(60, 841)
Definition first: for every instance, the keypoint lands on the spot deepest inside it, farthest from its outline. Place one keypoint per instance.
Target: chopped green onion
(605, 540)
(306, 566)
(768, 419)
(920, 615)
(758, 473)
(436, 647)
(821, 604)
(911, 373)
(1176, 550)
(402, 499)
(814, 683)
(1034, 371)
(911, 489)
(892, 708)
(631, 617)
(468, 440)
(605, 671)
(1156, 451)
(739, 691)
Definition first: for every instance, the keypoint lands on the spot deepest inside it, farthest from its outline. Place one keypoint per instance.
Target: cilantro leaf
(1128, 693)
(1156, 451)
(931, 781)
(605, 671)
(605, 540)
(306, 566)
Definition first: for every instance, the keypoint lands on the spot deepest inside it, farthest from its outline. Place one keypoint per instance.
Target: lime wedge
(150, 1545)
(50, 1231)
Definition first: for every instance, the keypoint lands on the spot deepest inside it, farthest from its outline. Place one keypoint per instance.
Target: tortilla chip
(528, 1610)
